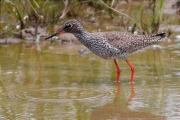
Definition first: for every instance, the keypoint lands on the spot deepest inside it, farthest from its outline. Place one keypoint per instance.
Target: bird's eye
(69, 25)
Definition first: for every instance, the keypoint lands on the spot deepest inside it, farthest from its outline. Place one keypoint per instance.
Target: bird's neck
(83, 37)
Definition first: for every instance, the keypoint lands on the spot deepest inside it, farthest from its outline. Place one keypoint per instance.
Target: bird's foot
(131, 82)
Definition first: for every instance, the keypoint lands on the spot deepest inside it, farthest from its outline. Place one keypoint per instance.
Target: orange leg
(132, 71)
(118, 71)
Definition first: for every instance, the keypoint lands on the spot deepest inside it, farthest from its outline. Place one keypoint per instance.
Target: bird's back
(119, 44)
(128, 43)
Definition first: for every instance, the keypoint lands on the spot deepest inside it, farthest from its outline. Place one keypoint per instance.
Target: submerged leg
(118, 71)
(132, 70)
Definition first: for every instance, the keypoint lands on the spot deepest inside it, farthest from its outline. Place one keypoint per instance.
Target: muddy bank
(29, 36)
(93, 23)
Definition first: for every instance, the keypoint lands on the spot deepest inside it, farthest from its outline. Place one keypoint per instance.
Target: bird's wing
(129, 43)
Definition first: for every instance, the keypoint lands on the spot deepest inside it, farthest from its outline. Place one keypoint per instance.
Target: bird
(110, 45)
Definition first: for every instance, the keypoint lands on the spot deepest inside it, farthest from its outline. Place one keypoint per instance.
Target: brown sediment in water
(11, 41)
(114, 112)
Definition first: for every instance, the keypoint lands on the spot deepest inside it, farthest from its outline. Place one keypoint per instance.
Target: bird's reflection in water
(131, 96)
(118, 109)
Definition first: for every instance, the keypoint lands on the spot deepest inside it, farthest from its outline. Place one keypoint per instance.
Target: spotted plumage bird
(110, 45)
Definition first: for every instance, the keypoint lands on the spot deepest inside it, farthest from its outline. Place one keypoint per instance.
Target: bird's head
(71, 26)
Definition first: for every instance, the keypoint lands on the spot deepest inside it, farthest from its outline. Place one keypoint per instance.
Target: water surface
(52, 81)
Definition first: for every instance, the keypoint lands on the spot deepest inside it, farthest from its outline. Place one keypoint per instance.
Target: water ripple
(68, 94)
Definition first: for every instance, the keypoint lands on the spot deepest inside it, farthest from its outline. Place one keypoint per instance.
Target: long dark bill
(61, 31)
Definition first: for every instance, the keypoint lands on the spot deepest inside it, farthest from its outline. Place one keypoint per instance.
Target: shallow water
(52, 81)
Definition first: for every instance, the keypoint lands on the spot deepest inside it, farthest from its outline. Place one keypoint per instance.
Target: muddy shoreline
(37, 34)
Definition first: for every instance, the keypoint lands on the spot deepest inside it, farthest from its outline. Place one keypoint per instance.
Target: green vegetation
(150, 21)
(15, 15)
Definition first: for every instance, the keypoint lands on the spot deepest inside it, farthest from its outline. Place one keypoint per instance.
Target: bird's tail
(159, 36)
(152, 39)
(142, 41)
(162, 35)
